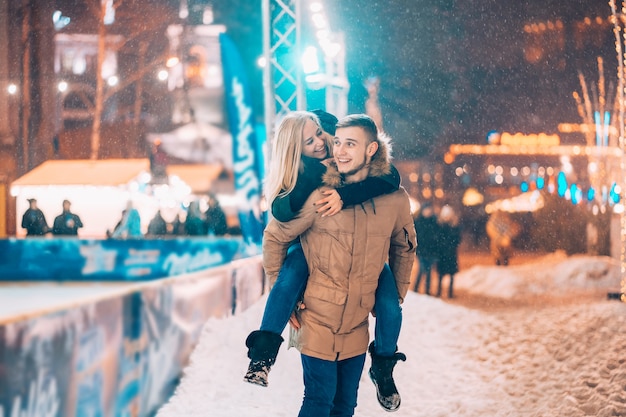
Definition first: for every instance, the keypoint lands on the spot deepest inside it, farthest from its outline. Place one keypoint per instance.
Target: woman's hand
(293, 320)
(329, 205)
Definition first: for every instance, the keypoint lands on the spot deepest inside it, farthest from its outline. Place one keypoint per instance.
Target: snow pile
(556, 357)
(556, 360)
(553, 274)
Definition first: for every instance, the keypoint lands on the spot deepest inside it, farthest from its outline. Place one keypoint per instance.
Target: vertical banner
(247, 161)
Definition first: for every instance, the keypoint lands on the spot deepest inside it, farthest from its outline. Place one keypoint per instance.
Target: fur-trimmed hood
(380, 165)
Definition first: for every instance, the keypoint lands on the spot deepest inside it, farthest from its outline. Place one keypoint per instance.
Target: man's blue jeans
(330, 387)
(290, 285)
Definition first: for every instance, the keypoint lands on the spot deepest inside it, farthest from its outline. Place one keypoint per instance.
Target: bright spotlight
(315, 80)
(12, 89)
(261, 62)
(319, 20)
(113, 80)
(162, 75)
(316, 7)
(172, 61)
(62, 86)
(59, 20)
(213, 70)
(322, 34)
(331, 49)
(310, 64)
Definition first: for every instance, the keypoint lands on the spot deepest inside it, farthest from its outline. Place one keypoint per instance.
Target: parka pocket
(368, 295)
(325, 302)
(378, 250)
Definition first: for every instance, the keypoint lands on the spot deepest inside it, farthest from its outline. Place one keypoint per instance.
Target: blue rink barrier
(71, 259)
(121, 355)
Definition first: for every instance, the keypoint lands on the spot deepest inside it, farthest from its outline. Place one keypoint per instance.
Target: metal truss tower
(282, 78)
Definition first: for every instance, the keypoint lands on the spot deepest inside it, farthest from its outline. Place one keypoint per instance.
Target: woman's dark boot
(262, 350)
(381, 374)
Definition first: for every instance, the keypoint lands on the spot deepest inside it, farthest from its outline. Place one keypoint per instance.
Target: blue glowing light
(591, 194)
(493, 137)
(575, 193)
(541, 182)
(614, 194)
(524, 186)
(561, 184)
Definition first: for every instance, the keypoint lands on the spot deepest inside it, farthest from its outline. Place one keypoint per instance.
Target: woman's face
(313, 141)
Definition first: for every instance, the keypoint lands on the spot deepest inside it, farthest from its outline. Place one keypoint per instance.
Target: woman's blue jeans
(290, 285)
(330, 387)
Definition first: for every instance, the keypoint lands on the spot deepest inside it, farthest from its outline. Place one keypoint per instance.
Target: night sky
(450, 71)
(453, 70)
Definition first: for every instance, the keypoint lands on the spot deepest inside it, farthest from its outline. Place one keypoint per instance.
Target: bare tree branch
(155, 24)
(137, 75)
(139, 27)
(85, 100)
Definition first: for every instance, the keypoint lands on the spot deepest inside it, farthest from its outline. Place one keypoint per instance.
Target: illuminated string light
(591, 194)
(561, 183)
(541, 182)
(524, 186)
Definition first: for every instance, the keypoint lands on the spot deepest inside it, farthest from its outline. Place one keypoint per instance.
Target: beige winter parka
(345, 254)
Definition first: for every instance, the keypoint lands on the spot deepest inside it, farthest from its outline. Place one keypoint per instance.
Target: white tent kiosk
(99, 190)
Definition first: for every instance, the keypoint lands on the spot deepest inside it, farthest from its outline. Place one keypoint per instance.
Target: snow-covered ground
(537, 339)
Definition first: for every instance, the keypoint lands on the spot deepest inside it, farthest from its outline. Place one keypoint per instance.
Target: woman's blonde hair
(284, 165)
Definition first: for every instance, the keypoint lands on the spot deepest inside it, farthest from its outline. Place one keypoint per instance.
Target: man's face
(66, 206)
(352, 150)
(313, 141)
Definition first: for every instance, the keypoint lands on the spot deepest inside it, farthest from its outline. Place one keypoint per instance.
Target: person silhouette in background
(157, 226)
(215, 218)
(501, 229)
(448, 243)
(177, 227)
(158, 162)
(34, 220)
(129, 226)
(194, 223)
(66, 223)
(428, 231)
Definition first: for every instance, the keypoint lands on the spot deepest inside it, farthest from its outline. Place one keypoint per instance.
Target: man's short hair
(364, 122)
(327, 121)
